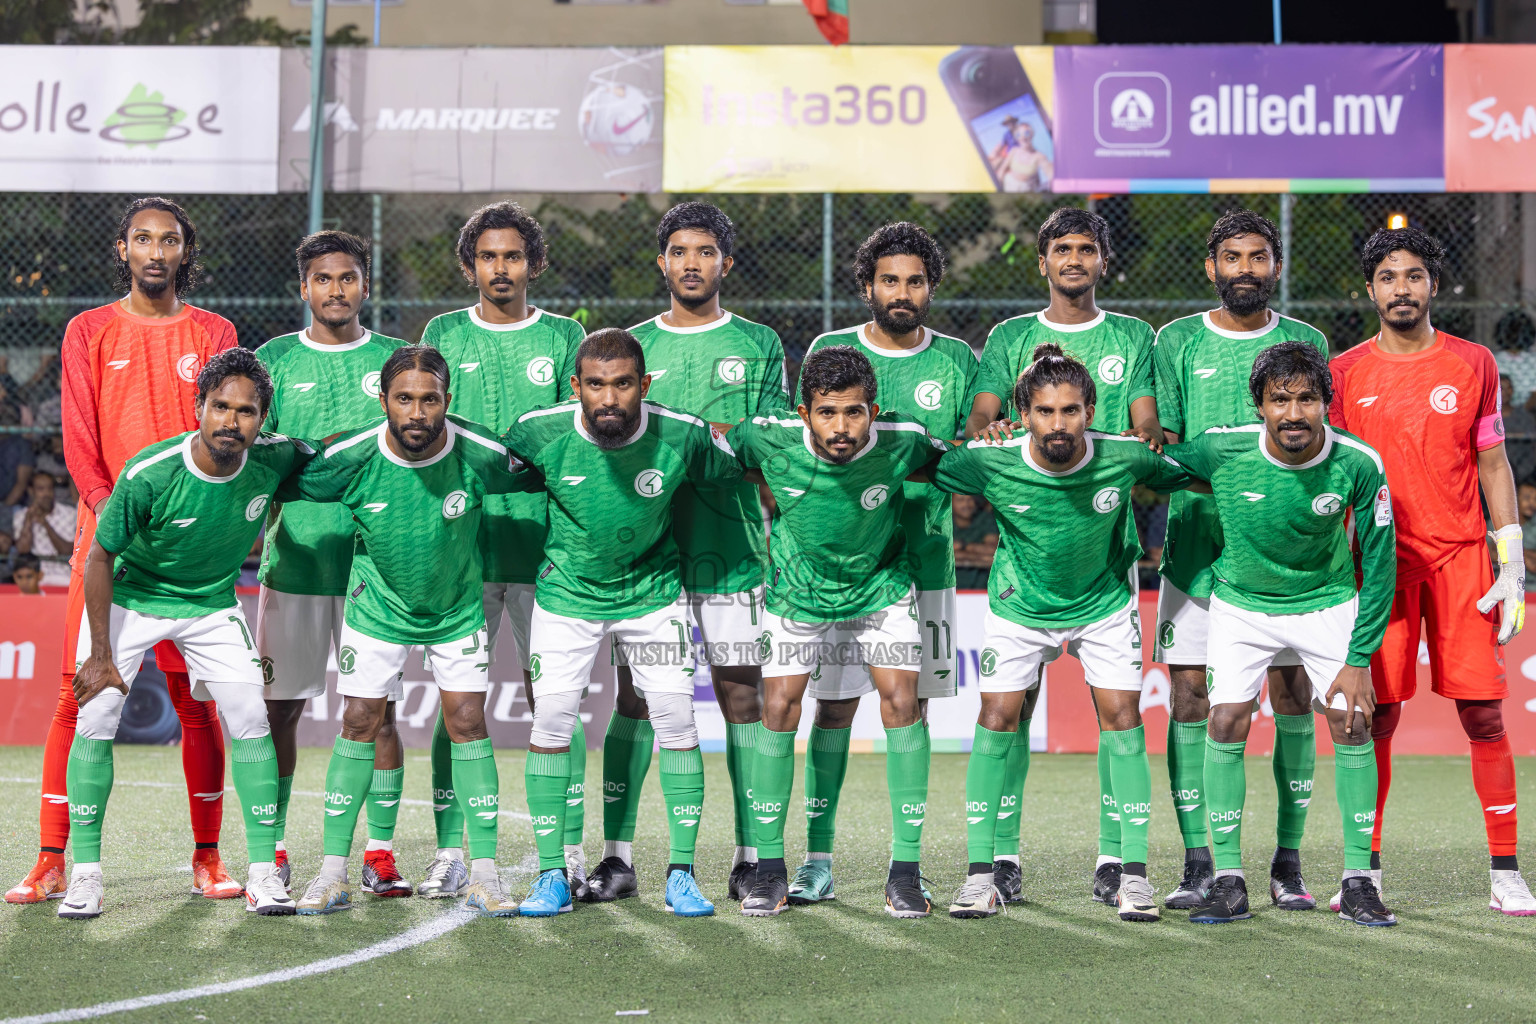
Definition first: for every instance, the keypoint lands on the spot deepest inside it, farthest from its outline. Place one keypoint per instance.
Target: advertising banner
(1250, 118)
(859, 119)
(139, 119)
(481, 120)
(1490, 119)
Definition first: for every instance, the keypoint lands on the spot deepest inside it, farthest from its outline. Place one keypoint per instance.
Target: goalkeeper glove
(1509, 589)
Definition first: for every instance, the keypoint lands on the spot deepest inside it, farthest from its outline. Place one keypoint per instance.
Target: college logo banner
(859, 119)
(1490, 119)
(139, 119)
(1250, 118)
(481, 120)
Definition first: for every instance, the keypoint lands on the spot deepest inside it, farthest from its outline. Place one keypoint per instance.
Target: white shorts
(655, 646)
(368, 667)
(517, 599)
(936, 678)
(888, 638)
(730, 626)
(1245, 643)
(1184, 629)
(1110, 650)
(218, 647)
(295, 634)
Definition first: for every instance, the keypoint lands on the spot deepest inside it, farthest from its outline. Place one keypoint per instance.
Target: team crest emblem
(1327, 504)
(929, 394)
(1107, 500)
(541, 370)
(649, 483)
(988, 662)
(257, 506)
(346, 661)
(371, 384)
(874, 497)
(1443, 399)
(1165, 634)
(535, 666)
(765, 647)
(266, 671)
(732, 370)
(1112, 369)
(188, 366)
(455, 504)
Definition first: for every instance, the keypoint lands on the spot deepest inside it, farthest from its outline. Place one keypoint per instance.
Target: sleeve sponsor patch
(720, 441)
(1383, 507)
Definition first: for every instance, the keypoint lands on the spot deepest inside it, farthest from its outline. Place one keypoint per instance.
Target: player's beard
(1058, 448)
(838, 458)
(1295, 449)
(1399, 323)
(343, 315)
(613, 430)
(221, 457)
(154, 287)
(693, 301)
(1074, 291)
(432, 430)
(896, 326)
(1245, 301)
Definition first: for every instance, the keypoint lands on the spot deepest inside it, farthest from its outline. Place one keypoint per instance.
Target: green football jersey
(927, 385)
(317, 390)
(497, 372)
(1117, 350)
(416, 564)
(610, 552)
(180, 535)
(1068, 537)
(721, 372)
(838, 550)
(1202, 376)
(1287, 529)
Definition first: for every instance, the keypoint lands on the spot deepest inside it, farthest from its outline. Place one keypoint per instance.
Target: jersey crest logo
(929, 394)
(1205, 374)
(469, 367)
(988, 662)
(732, 370)
(371, 384)
(304, 387)
(376, 506)
(346, 661)
(1367, 401)
(455, 505)
(541, 371)
(874, 497)
(1252, 496)
(1443, 399)
(1107, 500)
(187, 367)
(257, 506)
(1112, 369)
(572, 481)
(1327, 504)
(117, 364)
(184, 523)
(650, 482)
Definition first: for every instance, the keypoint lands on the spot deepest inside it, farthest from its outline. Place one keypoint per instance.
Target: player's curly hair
(900, 239)
(836, 368)
(1052, 367)
(235, 362)
(325, 243)
(697, 216)
(1244, 222)
(1290, 361)
(608, 344)
(191, 267)
(1069, 220)
(497, 216)
(413, 357)
(1388, 240)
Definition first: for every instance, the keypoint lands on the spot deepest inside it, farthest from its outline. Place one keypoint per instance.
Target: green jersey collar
(725, 318)
(645, 419)
(186, 459)
(1029, 458)
(527, 321)
(448, 427)
(874, 437)
(309, 342)
(1071, 328)
(1318, 459)
(1274, 321)
(894, 353)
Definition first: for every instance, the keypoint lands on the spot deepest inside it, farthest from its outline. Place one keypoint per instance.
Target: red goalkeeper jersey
(129, 381)
(1428, 415)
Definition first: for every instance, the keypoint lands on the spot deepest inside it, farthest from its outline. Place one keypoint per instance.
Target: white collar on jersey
(645, 419)
(1313, 461)
(1071, 328)
(721, 321)
(448, 428)
(186, 459)
(527, 321)
(1274, 321)
(345, 347)
(874, 432)
(894, 353)
(1029, 458)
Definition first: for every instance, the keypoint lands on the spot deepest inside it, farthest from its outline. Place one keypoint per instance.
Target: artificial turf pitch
(1058, 956)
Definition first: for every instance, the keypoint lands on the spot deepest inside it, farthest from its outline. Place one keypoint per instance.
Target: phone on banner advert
(1008, 124)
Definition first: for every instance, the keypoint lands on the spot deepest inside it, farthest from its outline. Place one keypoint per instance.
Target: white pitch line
(421, 933)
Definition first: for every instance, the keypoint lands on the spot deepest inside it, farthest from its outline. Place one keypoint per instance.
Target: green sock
(773, 779)
(682, 787)
(347, 779)
(906, 776)
(1226, 788)
(626, 759)
(253, 768)
(1010, 805)
(575, 791)
(984, 777)
(447, 815)
(826, 764)
(740, 749)
(1354, 780)
(284, 791)
(546, 777)
(1186, 778)
(89, 778)
(1131, 776)
(1109, 808)
(479, 790)
(1294, 761)
(384, 802)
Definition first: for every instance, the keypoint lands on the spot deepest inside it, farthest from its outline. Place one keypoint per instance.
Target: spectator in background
(6, 554)
(1512, 339)
(28, 575)
(1519, 431)
(50, 457)
(17, 460)
(1526, 494)
(975, 542)
(45, 528)
(42, 393)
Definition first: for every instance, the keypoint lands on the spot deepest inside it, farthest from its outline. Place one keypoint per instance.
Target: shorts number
(682, 638)
(474, 644)
(244, 633)
(949, 643)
